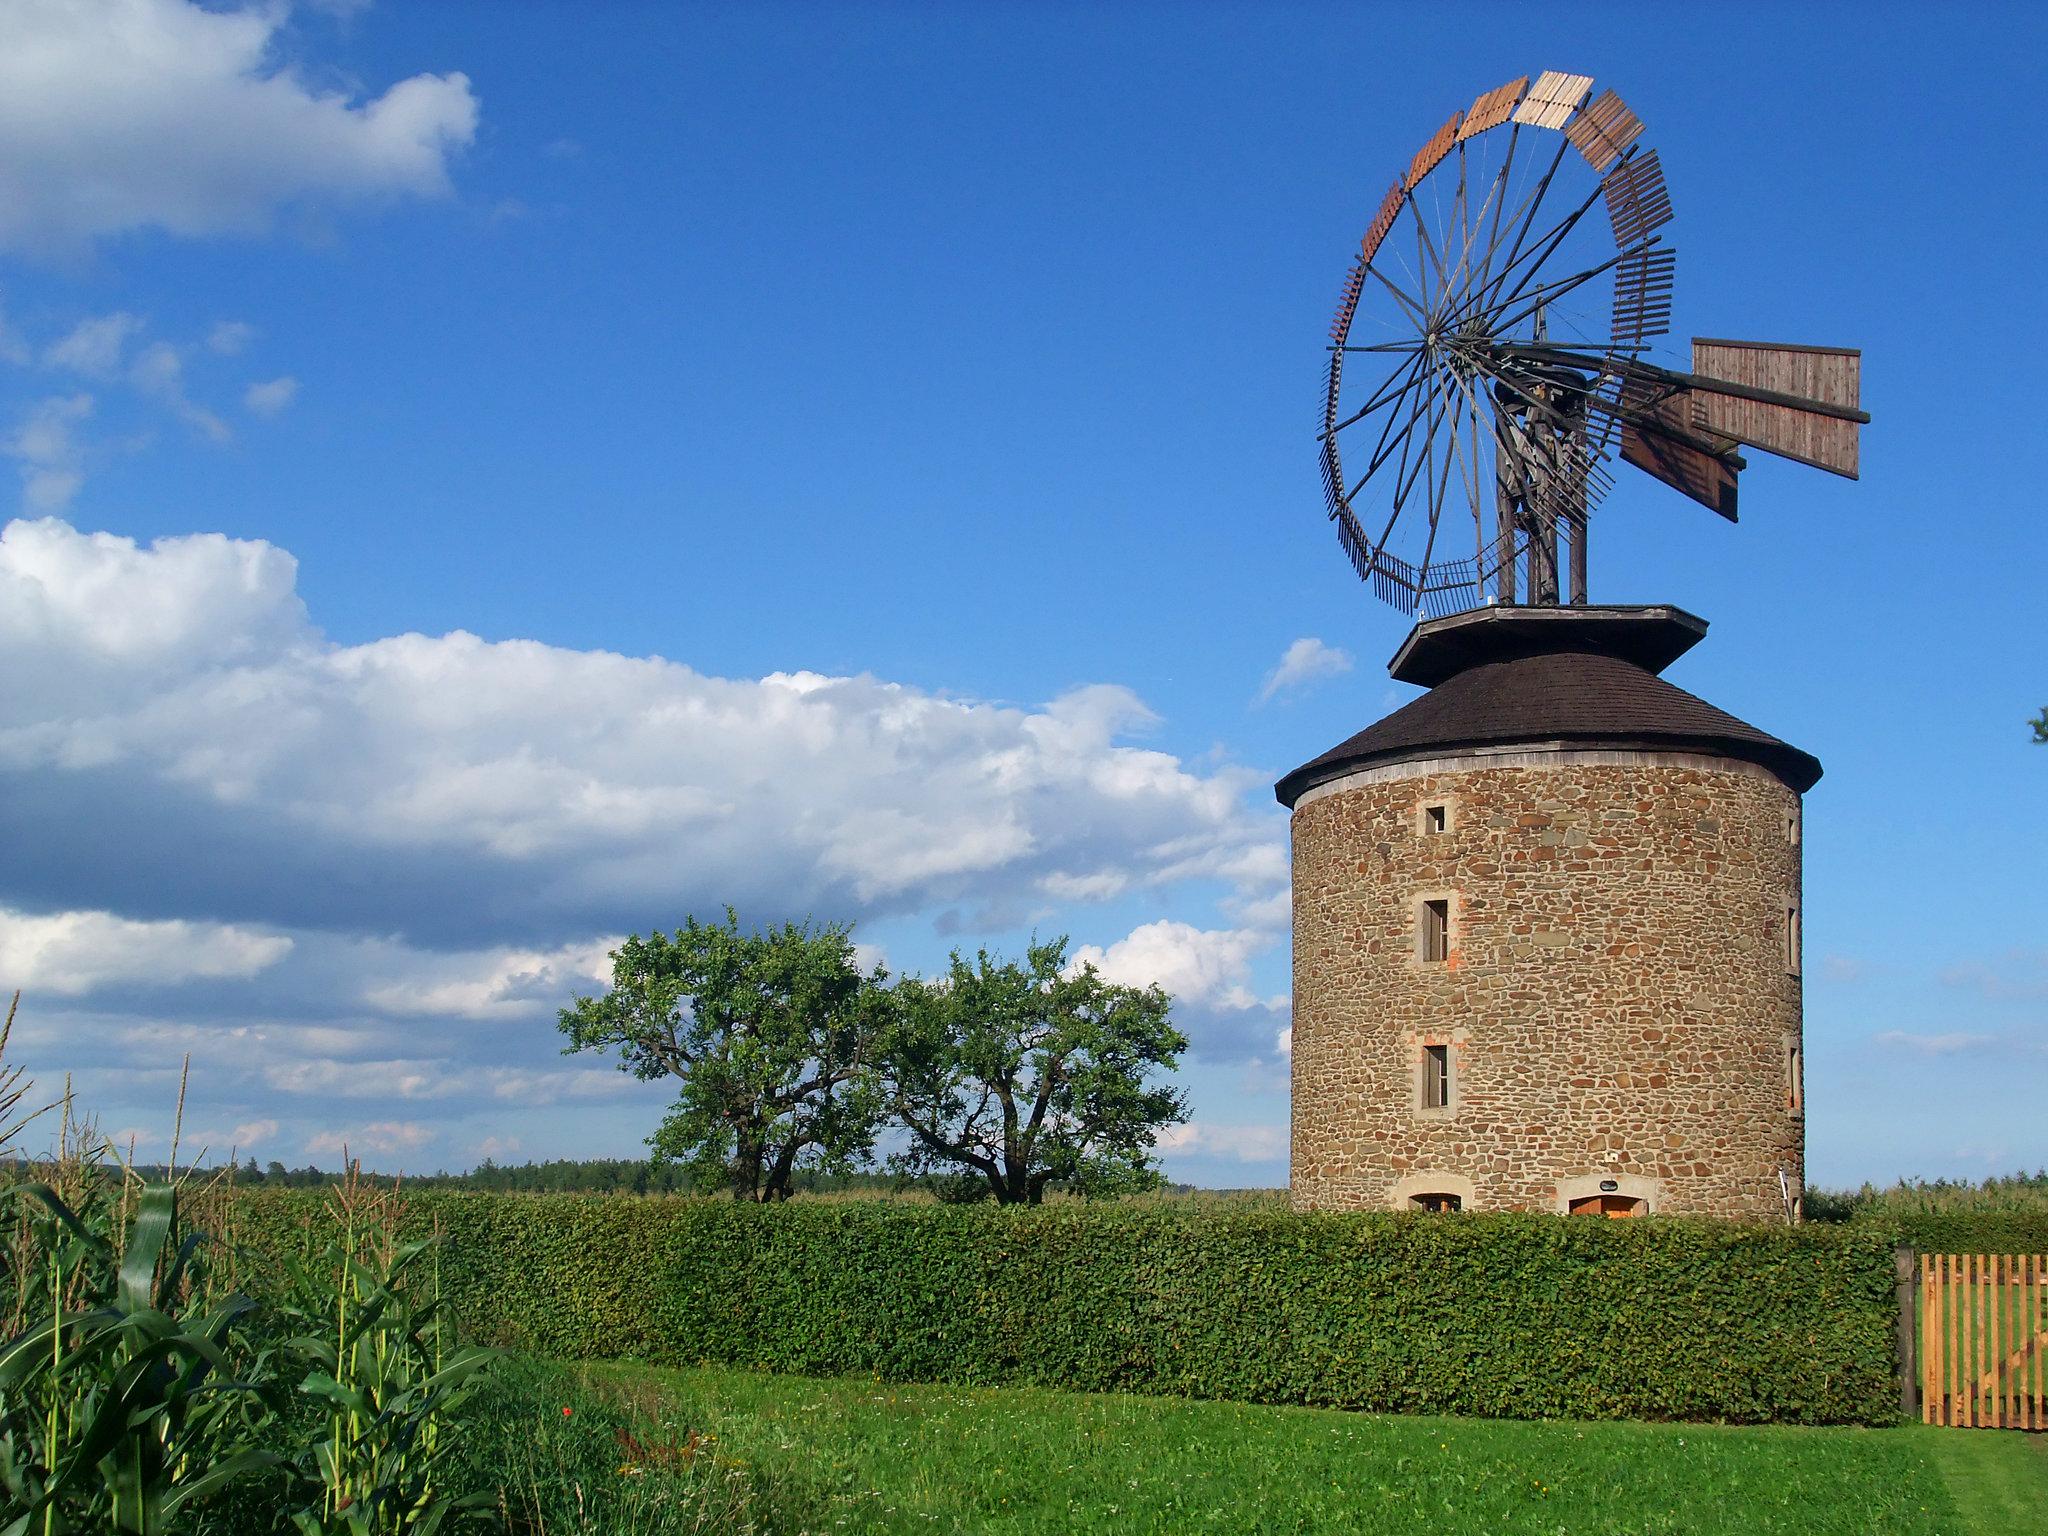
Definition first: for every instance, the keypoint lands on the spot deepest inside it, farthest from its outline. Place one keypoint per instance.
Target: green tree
(1023, 1075)
(2040, 725)
(772, 1035)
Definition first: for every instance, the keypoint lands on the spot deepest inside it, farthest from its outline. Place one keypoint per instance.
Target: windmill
(1489, 361)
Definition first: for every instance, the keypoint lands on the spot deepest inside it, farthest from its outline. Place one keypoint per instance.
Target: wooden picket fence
(1984, 1340)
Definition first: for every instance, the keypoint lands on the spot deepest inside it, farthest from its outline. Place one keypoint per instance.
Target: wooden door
(1613, 1207)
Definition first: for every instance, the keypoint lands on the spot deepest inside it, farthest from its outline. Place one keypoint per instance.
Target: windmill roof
(1565, 697)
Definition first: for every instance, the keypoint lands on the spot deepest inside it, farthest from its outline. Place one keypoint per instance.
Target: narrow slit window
(1436, 1077)
(1793, 1097)
(1792, 940)
(1434, 819)
(1436, 930)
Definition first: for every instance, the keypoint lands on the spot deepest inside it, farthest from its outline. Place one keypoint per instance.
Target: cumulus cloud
(271, 396)
(1306, 661)
(46, 449)
(2017, 975)
(1200, 966)
(494, 983)
(497, 1146)
(383, 1138)
(70, 953)
(472, 789)
(1948, 1043)
(228, 338)
(158, 372)
(1241, 1143)
(125, 114)
(96, 346)
(1207, 972)
(14, 347)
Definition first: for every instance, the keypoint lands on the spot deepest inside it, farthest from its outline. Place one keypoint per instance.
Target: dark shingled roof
(1576, 698)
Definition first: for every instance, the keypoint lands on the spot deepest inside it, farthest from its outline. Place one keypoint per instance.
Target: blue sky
(584, 465)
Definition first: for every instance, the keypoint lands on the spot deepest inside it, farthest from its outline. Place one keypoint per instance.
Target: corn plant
(118, 1413)
(384, 1378)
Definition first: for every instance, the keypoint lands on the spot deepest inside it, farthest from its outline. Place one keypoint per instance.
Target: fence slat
(1928, 1356)
(1967, 1313)
(1948, 1414)
(1997, 1336)
(2036, 1369)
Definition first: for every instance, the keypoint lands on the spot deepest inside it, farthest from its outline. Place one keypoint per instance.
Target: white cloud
(497, 1146)
(496, 983)
(229, 338)
(69, 953)
(46, 449)
(159, 373)
(469, 786)
(1197, 966)
(271, 396)
(14, 348)
(1947, 1044)
(379, 1138)
(97, 604)
(1306, 661)
(94, 347)
(2016, 975)
(125, 114)
(1284, 1041)
(1243, 1143)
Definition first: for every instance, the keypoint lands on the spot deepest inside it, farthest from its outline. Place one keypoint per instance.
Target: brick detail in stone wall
(1617, 993)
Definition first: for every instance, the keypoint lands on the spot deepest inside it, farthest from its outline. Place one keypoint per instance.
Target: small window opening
(1436, 930)
(1792, 827)
(1436, 1077)
(1438, 1203)
(1434, 819)
(1614, 1207)
(1793, 1098)
(1792, 940)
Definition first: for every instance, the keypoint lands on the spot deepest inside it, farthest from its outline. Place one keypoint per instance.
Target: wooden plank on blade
(1680, 464)
(1431, 155)
(1390, 210)
(1829, 375)
(1492, 109)
(1553, 99)
(1604, 131)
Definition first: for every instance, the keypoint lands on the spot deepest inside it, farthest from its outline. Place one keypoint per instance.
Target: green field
(860, 1456)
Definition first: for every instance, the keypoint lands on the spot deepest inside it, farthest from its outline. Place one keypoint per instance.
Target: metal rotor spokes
(1487, 357)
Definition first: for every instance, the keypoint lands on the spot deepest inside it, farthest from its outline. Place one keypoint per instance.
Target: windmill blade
(1604, 131)
(1797, 402)
(1431, 155)
(1492, 107)
(1657, 436)
(1553, 99)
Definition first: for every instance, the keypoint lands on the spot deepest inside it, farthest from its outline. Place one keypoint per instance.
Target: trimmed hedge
(1496, 1315)
(1963, 1231)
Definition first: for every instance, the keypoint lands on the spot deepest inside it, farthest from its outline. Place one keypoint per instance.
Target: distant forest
(590, 1176)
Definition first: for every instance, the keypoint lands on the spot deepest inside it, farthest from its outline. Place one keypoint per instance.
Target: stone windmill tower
(1547, 915)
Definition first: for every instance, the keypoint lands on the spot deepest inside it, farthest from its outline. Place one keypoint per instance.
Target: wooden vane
(1490, 359)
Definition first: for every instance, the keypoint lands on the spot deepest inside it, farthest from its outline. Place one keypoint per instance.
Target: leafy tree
(772, 1035)
(1020, 1075)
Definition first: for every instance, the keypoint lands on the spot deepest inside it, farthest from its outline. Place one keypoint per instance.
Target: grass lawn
(859, 1456)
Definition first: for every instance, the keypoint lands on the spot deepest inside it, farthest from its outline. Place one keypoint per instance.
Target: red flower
(565, 1410)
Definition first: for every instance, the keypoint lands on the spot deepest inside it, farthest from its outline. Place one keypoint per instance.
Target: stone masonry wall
(1618, 997)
